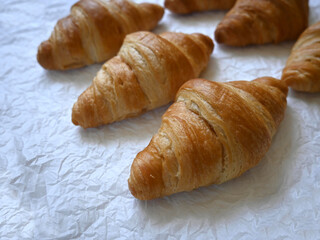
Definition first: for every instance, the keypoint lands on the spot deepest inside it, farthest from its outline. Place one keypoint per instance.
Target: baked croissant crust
(263, 21)
(94, 32)
(212, 133)
(146, 74)
(189, 6)
(302, 71)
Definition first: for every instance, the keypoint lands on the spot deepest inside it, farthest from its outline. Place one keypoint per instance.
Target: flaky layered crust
(146, 74)
(263, 21)
(189, 6)
(94, 32)
(212, 133)
(302, 71)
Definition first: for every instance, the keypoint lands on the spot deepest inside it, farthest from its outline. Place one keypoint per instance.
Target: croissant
(189, 6)
(94, 32)
(263, 21)
(302, 71)
(146, 74)
(212, 133)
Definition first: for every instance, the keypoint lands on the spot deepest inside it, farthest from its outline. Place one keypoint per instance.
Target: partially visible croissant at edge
(146, 74)
(263, 21)
(94, 32)
(302, 71)
(212, 133)
(189, 6)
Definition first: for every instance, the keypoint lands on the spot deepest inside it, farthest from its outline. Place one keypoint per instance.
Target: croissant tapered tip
(75, 114)
(275, 83)
(83, 113)
(154, 12)
(289, 81)
(298, 84)
(206, 40)
(228, 32)
(225, 35)
(175, 6)
(136, 182)
(220, 35)
(145, 181)
(45, 55)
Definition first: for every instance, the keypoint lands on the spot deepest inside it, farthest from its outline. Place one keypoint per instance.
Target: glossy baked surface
(212, 133)
(302, 71)
(252, 22)
(146, 74)
(94, 31)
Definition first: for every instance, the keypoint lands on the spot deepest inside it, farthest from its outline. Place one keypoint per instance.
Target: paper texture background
(58, 181)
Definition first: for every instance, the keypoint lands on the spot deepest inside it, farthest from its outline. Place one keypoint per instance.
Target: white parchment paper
(58, 181)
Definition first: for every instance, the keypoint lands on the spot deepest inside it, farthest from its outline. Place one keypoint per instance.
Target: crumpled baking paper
(58, 181)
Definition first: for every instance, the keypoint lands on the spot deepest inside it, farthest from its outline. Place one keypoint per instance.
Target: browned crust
(260, 22)
(212, 133)
(302, 71)
(94, 32)
(146, 74)
(190, 6)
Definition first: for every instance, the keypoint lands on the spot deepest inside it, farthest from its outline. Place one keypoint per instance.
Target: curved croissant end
(151, 13)
(78, 108)
(177, 6)
(45, 55)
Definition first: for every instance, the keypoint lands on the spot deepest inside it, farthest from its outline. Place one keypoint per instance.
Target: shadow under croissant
(307, 97)
(251, 52)
(257, 189)
(206, 18)
(80, 78)
(238, 59)
(136, 129)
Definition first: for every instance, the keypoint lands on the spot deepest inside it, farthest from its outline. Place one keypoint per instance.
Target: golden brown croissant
(212, 133)
(189, 6)
(146, 74)
(263, 21)
(302, 71)
(94, 32)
